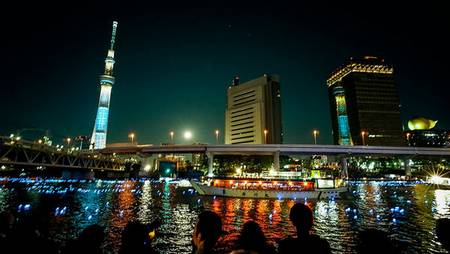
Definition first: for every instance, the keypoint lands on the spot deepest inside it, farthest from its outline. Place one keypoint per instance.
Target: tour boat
(272, 188)
(439, 182)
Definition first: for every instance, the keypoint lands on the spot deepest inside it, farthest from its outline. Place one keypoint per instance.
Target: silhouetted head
(134, 236)
(375, 241)
(208, 229)
(302, 218)
(6, 221)
(92, 236)
(252, 237)
(443, 232)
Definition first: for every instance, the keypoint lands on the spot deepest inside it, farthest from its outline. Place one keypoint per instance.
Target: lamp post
(407, 137)
(171, 137)
(131, 136)
(315, 133)
(217, 136)
(363, 133)
(68, 143)
(265, 136)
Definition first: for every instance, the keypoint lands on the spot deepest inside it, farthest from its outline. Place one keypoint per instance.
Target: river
(407, 211)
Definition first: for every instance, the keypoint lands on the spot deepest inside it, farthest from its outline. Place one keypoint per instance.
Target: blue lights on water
(382, 204)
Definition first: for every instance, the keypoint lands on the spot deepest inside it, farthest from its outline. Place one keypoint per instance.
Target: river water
(406, 211)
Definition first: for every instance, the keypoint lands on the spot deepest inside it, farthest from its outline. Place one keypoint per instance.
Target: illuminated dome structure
(422, 133)
(421, 123)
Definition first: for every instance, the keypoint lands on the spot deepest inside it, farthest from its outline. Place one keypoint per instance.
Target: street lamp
(131, 136)
(265, 135)
(217, 136)
(363, 133)
(68, 142)
(171, 137)
(315, 133)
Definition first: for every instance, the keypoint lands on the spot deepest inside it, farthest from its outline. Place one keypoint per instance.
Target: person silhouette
(136, 238)
(252, 240)
(443, 232)
(375, 241)
(301, 217)
(89, 241)
(206, 233)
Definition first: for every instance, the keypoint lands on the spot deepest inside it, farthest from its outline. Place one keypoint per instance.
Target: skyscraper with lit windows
(253, 113)
(98, 140)
(364, 104)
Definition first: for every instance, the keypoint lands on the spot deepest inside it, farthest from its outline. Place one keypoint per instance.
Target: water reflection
(442, 202)
(407, 212)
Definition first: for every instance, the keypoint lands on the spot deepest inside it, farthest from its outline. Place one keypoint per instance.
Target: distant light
(187, 135)
(147, 167)
(436, 179)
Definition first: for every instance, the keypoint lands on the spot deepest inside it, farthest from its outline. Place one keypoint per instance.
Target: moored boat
(272, 188)
(439, 182)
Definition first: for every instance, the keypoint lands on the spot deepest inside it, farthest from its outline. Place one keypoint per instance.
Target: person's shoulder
(287, 240)
(286, 245)
(307, 243)
(320, 243)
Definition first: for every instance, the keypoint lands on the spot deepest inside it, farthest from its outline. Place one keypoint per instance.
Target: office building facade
(364, 104)
(253, 113)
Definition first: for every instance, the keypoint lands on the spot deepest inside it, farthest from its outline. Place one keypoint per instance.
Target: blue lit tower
(98, 140)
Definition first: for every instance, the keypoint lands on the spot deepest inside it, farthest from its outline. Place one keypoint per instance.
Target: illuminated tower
(98, 140)
(364, 104)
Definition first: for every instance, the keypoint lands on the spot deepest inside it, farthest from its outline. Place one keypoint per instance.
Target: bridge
(286, 149)
(32, 154)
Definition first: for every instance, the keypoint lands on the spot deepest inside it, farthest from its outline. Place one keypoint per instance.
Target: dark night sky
(174, 62)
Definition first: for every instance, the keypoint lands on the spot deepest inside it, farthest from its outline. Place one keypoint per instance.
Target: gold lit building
(253, 114)
(364, 104)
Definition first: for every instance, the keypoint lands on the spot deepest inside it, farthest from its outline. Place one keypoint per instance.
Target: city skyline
(170, 79)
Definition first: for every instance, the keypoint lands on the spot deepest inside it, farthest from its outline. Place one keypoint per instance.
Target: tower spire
(107, 80)
(113, 35)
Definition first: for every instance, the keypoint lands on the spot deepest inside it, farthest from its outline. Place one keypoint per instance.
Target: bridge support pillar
(210, 163)
(276, 161)
(407, 167)
(344, 167)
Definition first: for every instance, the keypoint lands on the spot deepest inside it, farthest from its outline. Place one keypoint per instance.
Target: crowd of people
(20, 237)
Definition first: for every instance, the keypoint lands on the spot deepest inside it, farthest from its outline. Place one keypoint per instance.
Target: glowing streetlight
(131, 136)
(315, 133)
(217, 136)
(40, 141)
(363, 133)
(265, 135)
(187, 135)
(171, 136)
(68, 142)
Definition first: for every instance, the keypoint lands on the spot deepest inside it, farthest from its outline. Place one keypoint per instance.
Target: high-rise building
(364, 104)
(253, 113)
(98, 140)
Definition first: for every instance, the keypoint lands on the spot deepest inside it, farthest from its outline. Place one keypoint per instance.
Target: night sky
(174, 62)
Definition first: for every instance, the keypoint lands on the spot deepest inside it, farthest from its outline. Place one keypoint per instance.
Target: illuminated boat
(439, 182)
(272, 188)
